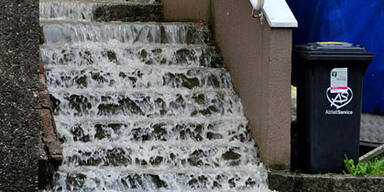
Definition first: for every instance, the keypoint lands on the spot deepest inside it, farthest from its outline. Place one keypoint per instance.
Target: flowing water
(143, 106)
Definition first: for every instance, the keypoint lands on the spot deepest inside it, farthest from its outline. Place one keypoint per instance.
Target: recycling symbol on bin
(339, 97)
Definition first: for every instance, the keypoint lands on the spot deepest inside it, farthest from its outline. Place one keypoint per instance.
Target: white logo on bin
(339, 96)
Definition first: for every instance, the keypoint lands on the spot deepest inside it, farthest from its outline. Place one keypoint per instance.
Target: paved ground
(372, 129)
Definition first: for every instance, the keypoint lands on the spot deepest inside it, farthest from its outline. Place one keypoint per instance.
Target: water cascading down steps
(142, 106)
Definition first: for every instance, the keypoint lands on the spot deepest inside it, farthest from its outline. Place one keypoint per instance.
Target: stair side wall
(259, 60)
(187, 10)
(21, 148)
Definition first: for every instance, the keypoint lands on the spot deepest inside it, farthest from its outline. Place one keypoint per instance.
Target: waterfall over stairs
(142, 105)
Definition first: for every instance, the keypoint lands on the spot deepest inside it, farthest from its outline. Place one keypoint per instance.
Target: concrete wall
(293, 182)
(259, 60)
(187, 10)
(29, 148)
(20, 142)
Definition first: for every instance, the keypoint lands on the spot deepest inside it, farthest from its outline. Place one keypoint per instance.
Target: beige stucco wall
(259, 60)
(187, 10)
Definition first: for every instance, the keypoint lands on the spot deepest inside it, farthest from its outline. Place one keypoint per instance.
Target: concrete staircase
(143, 105)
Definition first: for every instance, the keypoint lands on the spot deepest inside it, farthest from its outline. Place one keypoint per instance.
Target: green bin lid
(332, 51)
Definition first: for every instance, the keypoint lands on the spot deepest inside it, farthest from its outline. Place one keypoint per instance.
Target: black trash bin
(329, 79)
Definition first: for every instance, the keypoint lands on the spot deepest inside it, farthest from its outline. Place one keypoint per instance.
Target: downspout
(257, 7)
(257, 4)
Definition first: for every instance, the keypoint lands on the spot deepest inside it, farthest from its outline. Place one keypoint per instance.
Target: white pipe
(257, 4)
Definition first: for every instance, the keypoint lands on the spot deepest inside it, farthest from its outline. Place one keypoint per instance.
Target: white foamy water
(81, 10)
(72, 32)
(143, 106)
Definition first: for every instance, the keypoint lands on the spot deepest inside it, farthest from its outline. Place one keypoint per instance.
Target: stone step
(117, 77)
(212, 154)
(109, 54)
(129, 10)
(142, 106)
(197, 130)
(148, 103)
(125, 32)
(102, 1)
(245, 179)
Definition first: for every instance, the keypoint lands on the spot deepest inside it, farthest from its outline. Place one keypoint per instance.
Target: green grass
(371, 168)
